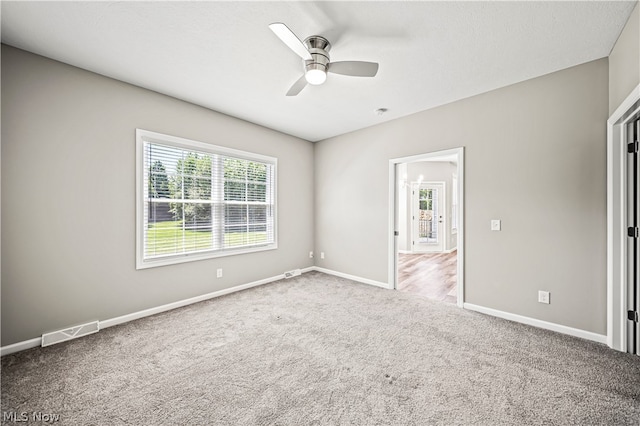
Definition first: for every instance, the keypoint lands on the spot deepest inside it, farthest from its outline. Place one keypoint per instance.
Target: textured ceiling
(222, 55)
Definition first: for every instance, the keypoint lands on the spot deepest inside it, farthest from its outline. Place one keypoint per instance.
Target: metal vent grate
(70, 333)
(294, 273)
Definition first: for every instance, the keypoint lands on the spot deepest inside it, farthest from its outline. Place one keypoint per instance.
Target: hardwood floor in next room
(432, 275)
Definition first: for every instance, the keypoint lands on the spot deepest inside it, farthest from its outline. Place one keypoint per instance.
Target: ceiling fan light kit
(316, 67)
(315, 76)
(316, 60)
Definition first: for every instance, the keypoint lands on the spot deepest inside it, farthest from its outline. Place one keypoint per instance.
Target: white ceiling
(222, 55)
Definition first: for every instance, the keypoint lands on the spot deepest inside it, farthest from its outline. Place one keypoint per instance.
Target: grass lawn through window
(170, 237)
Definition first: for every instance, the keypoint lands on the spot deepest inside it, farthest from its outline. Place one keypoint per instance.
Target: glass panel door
(428, 213)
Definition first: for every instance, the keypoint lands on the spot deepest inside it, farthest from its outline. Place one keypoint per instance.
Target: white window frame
(145, 136)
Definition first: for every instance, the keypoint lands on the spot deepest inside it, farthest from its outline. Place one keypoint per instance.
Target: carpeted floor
(318, 349)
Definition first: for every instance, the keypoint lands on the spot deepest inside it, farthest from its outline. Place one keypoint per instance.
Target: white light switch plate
(496, 225)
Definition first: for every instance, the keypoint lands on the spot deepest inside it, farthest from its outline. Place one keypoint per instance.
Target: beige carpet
(323, 350)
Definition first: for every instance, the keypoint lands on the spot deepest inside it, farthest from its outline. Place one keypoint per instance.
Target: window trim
(143, 136)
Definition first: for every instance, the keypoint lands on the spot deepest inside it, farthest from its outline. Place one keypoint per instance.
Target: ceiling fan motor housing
(319, 49)
(314, 51)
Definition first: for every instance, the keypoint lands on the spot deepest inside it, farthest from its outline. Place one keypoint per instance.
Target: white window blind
(201, 201)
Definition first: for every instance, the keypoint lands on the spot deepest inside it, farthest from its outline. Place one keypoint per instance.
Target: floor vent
(294, 273)
(70, 333)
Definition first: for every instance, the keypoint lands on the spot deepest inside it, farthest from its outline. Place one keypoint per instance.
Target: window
(197, 201)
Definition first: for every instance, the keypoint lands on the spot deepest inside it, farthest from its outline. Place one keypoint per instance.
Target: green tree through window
(192, 181)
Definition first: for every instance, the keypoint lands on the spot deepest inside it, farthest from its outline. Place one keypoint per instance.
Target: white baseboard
(576, 332)
(21, 346)
(405, 251)
(179, 304)
(352, 277)
(33, 343)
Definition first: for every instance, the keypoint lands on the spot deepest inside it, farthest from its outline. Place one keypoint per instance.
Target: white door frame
(442, 211)
(393, 220)
(617, 219)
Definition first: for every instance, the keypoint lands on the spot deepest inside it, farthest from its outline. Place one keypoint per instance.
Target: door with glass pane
(428, 217)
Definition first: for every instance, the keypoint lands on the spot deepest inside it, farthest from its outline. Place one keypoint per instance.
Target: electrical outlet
(496, 225)
(544, 297)
(219, 273)
(310, 255)
(321, 255)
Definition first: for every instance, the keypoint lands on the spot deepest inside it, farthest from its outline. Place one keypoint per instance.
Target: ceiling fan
(315, 53)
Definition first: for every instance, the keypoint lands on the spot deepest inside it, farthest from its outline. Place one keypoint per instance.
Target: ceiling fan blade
(289, 38)
(354, 68)
(297, 87)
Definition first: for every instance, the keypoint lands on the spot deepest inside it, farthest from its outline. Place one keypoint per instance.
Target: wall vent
(70, 333)
(294, 273)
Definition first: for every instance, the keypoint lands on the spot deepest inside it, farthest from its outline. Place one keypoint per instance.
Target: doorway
(623, 223)
(426, 248)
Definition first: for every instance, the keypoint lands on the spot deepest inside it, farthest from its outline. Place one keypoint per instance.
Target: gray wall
(68, 200)
(624, 62)
(535, 157)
